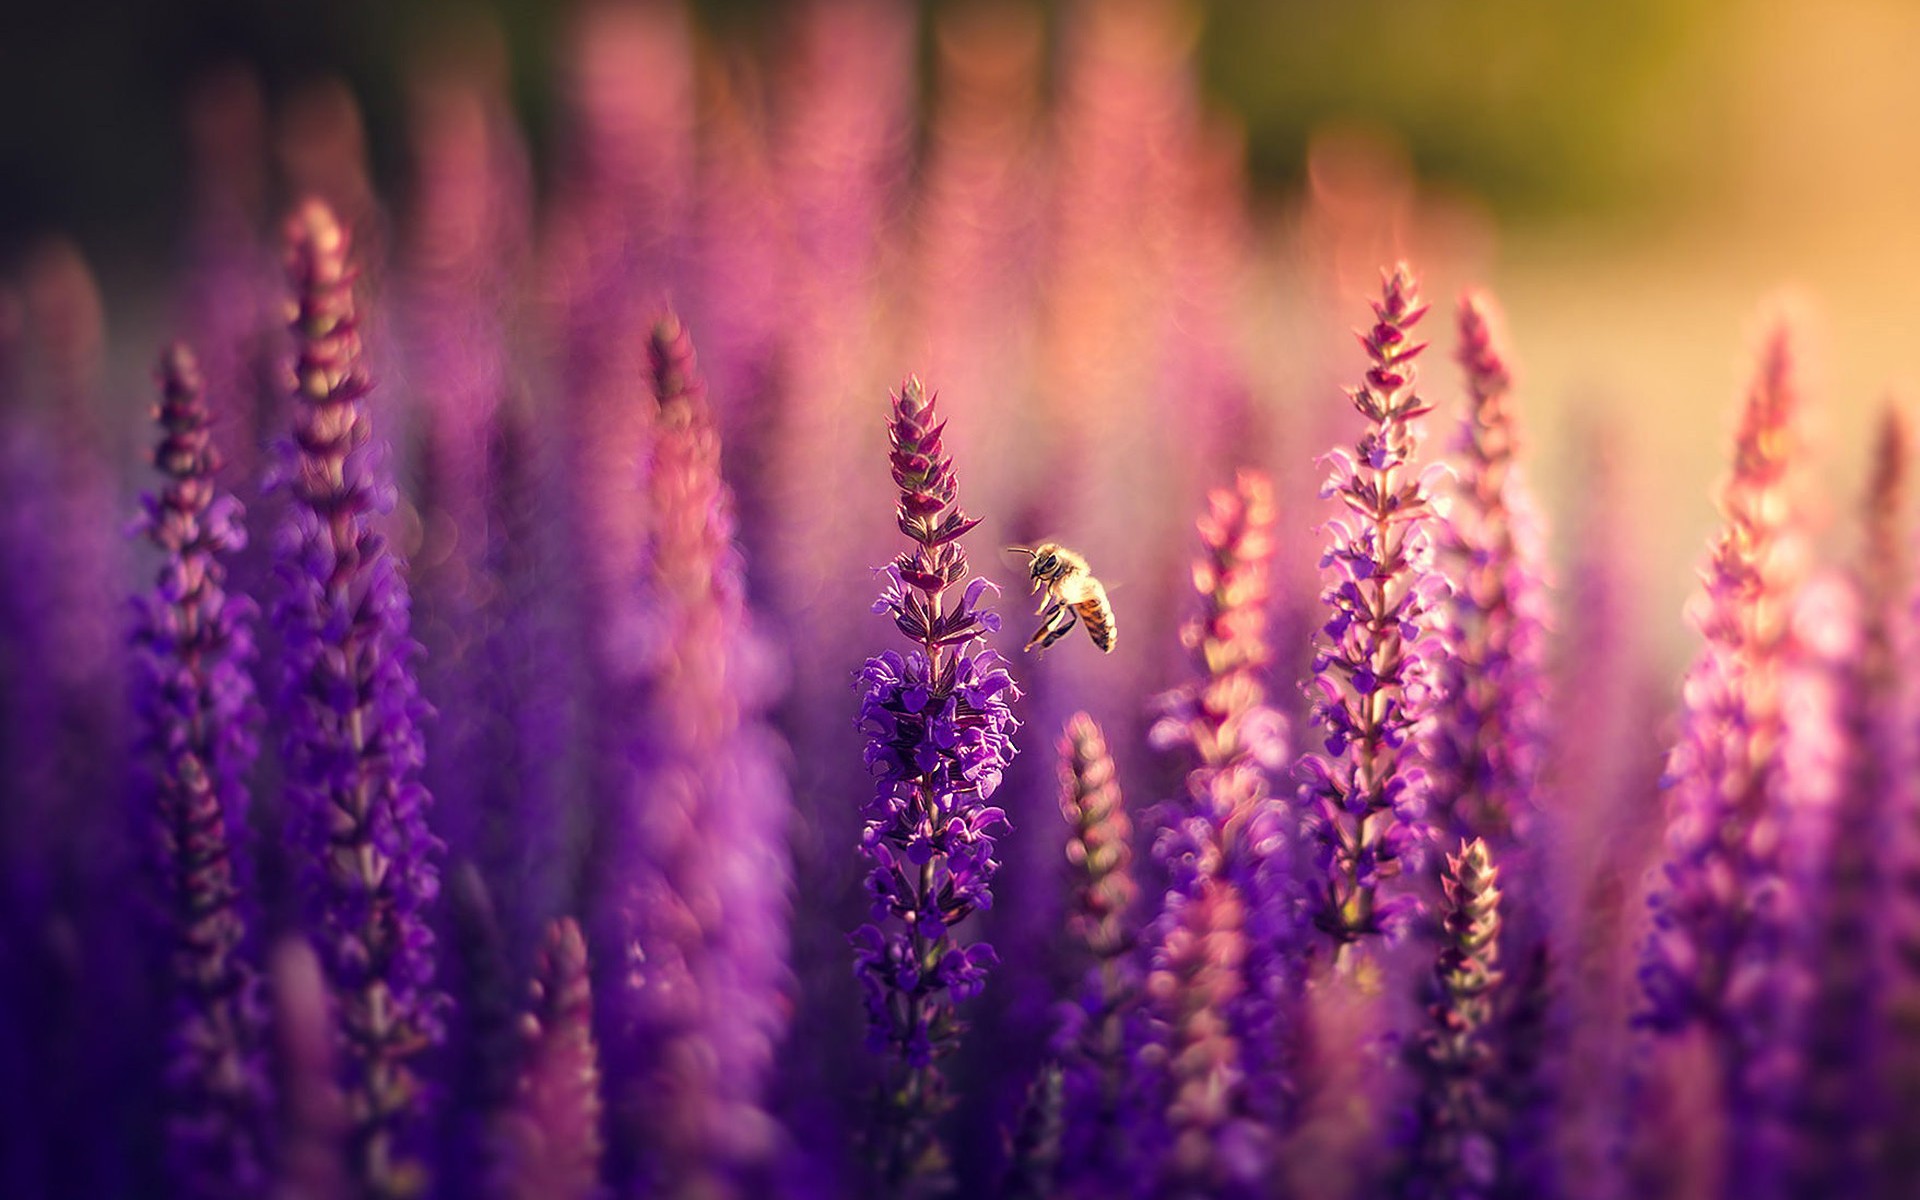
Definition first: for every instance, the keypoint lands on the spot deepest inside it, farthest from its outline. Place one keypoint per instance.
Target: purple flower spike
(696, 888)
(1717, 955)
(1455, 1151)
(549, 1138)
(197, 715)
(1224, 847)
(352, 711)
(1366, 797)
(1488, 737)
(1101, 889)
(940, 728)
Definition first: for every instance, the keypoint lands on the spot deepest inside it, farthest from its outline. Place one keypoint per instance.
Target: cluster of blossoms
(939, 724)
(353, 743)
(1366, 797)
(198, 713)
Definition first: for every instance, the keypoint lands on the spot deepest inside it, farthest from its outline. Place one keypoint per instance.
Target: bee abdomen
(1097, 615)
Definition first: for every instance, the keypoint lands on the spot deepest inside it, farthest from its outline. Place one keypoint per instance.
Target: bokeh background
(1635, 179)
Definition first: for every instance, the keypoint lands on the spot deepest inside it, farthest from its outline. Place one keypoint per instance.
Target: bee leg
(1058, 621)
(1062, 625)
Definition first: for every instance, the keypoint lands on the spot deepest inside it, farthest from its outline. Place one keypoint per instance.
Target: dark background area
(1543, 110)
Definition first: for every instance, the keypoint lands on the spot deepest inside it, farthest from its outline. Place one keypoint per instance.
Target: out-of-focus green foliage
(1538, 105)
(1541, 106)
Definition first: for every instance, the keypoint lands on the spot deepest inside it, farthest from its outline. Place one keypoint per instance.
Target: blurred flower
(549, 1142)
(1718, 954)
(1034, 1153)
(1455, 1151)
(466, 247)
(1091, 1043)
(694, 883)
(1488, 730)
(1838, 789)
(82, 1026)
(1226, 834)
(1196, 979)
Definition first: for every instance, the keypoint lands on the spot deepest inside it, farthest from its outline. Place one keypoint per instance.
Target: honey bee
(1072, 593)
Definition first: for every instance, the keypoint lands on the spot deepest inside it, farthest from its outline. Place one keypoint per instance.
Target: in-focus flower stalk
(352, 709)
(197, 717)
(1372, 689)
(940, 733)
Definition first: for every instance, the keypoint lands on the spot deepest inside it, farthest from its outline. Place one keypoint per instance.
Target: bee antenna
(1018, 550)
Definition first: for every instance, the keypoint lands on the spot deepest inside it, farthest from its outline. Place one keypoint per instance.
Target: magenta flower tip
(354, 748)
(939, 723)
(1373, 688)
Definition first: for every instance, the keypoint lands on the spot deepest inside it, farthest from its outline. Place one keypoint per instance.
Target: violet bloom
(549, 1143)
(352, 710)
(196, 717)
(1229, 906)
(940, 728)
(1717, 954)
(695, 882)
(1366, 796)
(1488, 734)
(1101, 894)
(1455, 1153)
